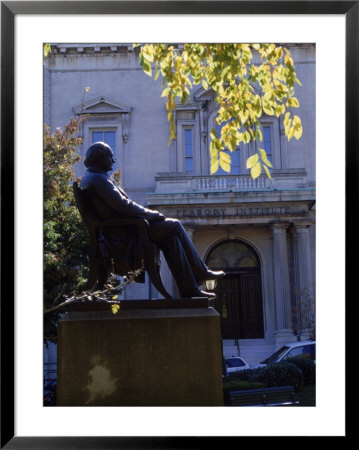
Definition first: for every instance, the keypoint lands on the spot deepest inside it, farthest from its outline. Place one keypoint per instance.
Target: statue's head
(100, 155)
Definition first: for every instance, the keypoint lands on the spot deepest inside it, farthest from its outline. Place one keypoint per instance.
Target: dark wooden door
(239, 301)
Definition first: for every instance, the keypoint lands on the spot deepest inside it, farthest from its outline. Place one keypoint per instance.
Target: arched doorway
(239, 293)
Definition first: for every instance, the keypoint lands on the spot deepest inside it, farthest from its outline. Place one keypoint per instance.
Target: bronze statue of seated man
(109, 201)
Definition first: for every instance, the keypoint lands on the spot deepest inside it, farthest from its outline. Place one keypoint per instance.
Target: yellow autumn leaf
(246, 137)
(225, 166)
(267, 108)
(225, 157)
(293, 102)
(115, 308)
(148, 52)
(265, 158)
(252, 161)
(256, 170)
(297, 126)
(214, 167)
(268, 172)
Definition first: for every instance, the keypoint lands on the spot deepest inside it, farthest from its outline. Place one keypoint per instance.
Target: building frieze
(231, 199)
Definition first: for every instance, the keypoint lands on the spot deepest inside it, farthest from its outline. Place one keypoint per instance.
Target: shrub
(273, 375)
(253, 375)
(283, 374)
(307, 367)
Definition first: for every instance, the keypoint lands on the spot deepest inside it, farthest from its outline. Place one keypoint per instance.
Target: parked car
(235, 363)
(304, 349)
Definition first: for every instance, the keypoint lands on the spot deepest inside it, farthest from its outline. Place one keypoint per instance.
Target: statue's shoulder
(93, 179)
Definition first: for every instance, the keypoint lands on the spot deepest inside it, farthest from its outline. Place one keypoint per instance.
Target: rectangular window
(188, 150)
(267, 142)
(107, 136)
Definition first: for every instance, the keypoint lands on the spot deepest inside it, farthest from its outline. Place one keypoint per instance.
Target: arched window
(232, 254)
(239, 293)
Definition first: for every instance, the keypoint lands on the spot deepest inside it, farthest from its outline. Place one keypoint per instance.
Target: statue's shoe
(210, 275)
(197, 293)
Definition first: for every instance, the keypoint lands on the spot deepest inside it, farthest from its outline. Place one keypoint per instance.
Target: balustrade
(232, 182)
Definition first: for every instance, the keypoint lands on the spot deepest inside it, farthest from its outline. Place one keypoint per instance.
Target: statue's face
(107, 161)
(100, 155)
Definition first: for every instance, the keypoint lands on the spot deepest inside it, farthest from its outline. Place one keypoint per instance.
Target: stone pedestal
(150, 353)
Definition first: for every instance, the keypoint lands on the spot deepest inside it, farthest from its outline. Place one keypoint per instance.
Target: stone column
(190, 229)
(284, 332)
(305, 293)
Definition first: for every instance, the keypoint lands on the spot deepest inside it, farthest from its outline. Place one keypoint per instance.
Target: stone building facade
(262, 232)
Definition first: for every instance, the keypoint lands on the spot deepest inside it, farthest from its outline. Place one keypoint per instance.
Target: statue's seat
(99, 270)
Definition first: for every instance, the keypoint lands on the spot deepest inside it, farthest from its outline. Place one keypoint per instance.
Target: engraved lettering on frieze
(235, 212)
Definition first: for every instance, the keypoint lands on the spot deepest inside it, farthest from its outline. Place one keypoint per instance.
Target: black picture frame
(9, 9)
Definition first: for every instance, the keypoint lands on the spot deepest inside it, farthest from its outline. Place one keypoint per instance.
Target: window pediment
(202, 95)
(102, 105)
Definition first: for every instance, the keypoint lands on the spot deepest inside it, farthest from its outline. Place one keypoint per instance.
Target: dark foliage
(65, 237)
(307, 366)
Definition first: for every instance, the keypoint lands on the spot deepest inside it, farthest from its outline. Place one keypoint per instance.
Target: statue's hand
(155, 216)
(158, 218)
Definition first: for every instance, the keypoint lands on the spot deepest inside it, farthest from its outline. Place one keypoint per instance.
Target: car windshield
(276, 355)
(304, 351)
(234, 362)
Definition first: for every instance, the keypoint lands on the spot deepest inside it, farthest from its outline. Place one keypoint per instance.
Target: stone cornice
(102, 105)
(303, 196)
(91, 49)
(106, 48)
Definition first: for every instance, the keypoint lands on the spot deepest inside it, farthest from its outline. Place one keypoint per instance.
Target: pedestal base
(151, 353)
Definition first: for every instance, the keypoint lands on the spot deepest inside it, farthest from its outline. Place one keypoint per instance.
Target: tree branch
(98, 295)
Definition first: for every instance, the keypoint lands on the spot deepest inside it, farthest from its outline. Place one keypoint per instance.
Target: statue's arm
(104, 189)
